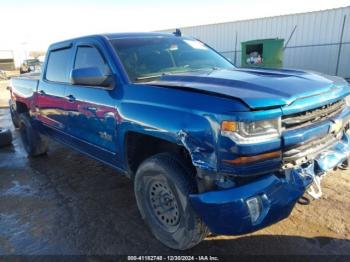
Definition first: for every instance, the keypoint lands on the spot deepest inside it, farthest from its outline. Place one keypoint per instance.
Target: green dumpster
(263, 53)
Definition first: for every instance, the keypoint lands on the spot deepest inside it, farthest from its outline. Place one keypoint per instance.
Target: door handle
(70, 98)
(42, 93)
(91, 108)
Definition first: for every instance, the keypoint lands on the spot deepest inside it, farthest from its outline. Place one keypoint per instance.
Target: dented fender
(183, 119)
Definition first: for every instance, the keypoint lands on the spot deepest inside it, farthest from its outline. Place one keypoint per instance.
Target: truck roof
(110, 36)
(127, 35)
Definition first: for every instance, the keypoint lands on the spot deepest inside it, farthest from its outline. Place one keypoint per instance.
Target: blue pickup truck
(210, 147)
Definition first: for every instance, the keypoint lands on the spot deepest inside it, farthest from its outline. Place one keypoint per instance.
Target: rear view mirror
(90, 76)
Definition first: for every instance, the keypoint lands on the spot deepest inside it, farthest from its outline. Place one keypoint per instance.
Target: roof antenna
(177, 32)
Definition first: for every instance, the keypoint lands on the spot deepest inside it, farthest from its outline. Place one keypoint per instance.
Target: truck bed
(24, 86)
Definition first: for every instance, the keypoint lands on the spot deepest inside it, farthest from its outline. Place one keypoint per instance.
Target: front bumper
(226, 211)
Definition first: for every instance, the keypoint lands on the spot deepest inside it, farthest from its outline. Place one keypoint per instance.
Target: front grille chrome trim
(312, 116)
(309, 149)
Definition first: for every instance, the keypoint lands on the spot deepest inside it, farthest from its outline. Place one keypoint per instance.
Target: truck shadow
(66, 203)
(276, 245)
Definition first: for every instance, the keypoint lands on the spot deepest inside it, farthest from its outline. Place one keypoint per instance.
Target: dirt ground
(67, 203)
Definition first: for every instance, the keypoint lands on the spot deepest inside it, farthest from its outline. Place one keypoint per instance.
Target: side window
(89, 57)
(58, 65)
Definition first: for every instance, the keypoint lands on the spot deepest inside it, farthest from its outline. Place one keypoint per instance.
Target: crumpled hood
(258, 88)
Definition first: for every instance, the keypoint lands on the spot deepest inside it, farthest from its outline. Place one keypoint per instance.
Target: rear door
(91, 109)
(51, 90)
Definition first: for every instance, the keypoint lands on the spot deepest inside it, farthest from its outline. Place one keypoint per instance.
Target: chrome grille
(312, 116)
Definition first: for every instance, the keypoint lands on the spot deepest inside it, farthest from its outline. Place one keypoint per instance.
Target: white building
(12, 55)
(7, 61)
(317, 41)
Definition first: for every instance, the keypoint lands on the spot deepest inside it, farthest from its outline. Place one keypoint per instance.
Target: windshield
(147, 58)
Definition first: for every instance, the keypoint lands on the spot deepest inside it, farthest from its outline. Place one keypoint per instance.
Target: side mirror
(90, 76)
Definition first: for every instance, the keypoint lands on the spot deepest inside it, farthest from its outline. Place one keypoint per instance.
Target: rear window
(59, 66)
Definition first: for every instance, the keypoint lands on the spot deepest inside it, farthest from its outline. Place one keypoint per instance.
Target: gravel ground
(67, 203)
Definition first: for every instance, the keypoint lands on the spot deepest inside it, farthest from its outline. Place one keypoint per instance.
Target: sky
(33, 25)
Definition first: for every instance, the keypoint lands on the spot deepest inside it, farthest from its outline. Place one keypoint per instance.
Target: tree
(36, 54)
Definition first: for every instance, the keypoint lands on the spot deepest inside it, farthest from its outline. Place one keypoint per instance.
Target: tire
(162, 187)
(14, 118)
(34, 143)
(5, 137)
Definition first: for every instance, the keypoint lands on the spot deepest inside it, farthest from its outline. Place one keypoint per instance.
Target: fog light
(254, 207)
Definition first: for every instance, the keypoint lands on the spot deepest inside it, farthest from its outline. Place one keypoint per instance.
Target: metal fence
(317, 41)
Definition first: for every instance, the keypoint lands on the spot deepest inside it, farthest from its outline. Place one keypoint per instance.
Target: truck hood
(258, 88)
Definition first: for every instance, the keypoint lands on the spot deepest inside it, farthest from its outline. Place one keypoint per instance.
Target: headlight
(252, 132)
(347, 100)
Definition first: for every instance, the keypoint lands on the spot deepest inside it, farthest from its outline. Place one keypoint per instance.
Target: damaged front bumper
(269, 199)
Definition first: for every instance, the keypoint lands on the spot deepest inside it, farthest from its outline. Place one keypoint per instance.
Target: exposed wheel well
(140, 147)
(21, 107)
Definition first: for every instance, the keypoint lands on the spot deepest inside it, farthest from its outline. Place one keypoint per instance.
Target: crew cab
(210, 147)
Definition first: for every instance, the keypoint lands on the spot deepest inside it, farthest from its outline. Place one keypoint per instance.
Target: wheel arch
(20, 107)
(139, 146)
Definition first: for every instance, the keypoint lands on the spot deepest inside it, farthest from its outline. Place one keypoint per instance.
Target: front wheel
(162, 188)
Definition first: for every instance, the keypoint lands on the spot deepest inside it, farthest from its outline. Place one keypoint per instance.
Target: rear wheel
(162, 188)
(34, 143)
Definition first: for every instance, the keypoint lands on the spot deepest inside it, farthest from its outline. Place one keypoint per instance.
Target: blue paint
(225, 212)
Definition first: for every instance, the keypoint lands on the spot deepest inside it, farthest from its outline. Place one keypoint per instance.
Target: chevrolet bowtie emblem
(336, 126)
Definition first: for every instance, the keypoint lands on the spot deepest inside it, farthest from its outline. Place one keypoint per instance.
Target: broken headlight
(252, 131)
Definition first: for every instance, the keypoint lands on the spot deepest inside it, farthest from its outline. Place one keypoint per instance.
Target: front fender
(194, 132)
(186, 118)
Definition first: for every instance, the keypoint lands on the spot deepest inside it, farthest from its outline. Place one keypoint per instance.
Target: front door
(91, 109)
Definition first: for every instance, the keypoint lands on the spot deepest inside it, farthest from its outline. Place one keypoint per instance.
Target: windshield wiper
(211, 69)
(140, 78)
